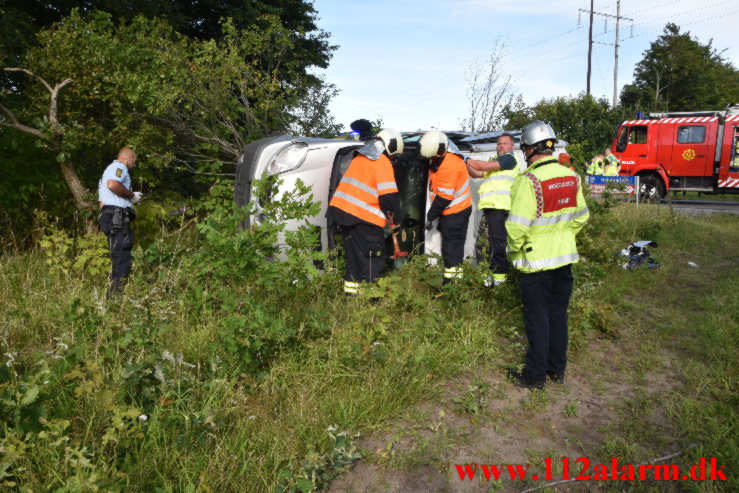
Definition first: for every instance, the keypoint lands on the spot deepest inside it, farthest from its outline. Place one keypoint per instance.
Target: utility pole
(615, 44)
(590, 46)
(615, 55)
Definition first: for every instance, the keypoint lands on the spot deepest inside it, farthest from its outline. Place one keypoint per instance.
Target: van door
(689, 155)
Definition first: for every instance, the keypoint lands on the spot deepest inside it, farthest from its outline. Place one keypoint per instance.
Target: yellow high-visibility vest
(547, 211)
(495, 190)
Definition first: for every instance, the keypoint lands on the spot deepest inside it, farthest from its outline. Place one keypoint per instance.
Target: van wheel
(651, 188)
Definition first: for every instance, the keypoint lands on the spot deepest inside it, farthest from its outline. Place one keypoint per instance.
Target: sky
(407, 61)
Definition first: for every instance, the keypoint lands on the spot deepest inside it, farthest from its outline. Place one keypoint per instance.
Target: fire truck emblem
(688, 154)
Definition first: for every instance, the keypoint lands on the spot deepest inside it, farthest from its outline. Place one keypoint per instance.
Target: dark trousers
(364, 252)
(453, 229)
(497, 239)
(545, 297)
(120, 244)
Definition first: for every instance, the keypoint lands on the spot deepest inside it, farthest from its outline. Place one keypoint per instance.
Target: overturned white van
(320, 164)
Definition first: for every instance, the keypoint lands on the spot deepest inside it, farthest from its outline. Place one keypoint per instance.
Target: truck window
(638, 135)
(693, 134)
(622, 139)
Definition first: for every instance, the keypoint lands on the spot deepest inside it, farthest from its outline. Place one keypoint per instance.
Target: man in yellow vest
(595, 167)
(498, 176)
(547, 211)
(613, 165)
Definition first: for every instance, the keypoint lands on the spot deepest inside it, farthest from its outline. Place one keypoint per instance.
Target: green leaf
(31, 396)
(304, 485)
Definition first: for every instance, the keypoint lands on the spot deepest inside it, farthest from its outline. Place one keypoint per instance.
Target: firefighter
(595, 167)
(547, 212)
(613, 165)
(365, 198)
(450, 198)
(735, 163)
(498, 175)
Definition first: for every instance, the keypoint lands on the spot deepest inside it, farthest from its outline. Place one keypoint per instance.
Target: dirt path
(612, 404)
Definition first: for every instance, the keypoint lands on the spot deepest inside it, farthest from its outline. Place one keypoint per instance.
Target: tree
(142, 84)
(586, 123)
(489, 90)
(679, 73)
(197, 19)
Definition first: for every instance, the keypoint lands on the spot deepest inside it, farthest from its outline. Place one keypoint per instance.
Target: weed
(572, 409)
(474, 399)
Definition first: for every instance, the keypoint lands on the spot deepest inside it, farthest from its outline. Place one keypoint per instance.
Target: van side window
(638, 135)
(693, 134)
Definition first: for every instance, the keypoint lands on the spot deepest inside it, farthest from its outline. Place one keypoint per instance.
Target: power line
(615, 43)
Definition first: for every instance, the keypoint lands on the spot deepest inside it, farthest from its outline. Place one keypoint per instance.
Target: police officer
(498, 176)
(450, 197)
(365, 201)
(547, 212)
(116, 198)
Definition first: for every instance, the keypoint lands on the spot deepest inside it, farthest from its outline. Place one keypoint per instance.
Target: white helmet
(393, 141)
(538, 132)
(433, 144)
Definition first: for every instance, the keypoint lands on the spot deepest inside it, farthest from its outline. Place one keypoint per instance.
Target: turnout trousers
(120, 243)
(364, 254)
(546, 296)
(453, 229)
(497, 239)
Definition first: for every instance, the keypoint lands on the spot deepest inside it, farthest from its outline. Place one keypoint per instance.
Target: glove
(429, 225)
(136, 197)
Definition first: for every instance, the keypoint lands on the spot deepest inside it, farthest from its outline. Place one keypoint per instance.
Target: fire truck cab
(696, 152)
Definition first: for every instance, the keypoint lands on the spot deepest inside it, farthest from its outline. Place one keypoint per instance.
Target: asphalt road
(704, 206)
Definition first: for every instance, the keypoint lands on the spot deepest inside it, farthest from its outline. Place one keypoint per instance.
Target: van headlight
(289, 158)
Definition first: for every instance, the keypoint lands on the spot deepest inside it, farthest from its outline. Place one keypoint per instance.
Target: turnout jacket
(449, 187)
(366, 194)
(547, 211)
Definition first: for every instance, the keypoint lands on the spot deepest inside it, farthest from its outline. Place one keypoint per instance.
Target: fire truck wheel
(651, 189)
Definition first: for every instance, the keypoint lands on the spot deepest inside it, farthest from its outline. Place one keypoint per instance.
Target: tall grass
(241, 377)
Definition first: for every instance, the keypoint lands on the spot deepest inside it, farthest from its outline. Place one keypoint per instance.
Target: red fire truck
(695, 151)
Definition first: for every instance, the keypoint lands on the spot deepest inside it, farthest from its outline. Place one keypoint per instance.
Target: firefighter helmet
(538, 132)
(433, 144)
(392, 140)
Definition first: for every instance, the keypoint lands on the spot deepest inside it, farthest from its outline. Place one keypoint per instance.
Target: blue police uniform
(115, 221)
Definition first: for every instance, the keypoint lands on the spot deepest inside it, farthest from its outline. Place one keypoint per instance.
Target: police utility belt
(122, 216)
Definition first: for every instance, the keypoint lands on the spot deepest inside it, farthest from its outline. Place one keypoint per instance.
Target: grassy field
(263, 382)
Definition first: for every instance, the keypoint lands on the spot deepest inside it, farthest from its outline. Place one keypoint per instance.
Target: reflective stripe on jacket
(451, 182)
(495, 189)
(363, 183)
(547, 211)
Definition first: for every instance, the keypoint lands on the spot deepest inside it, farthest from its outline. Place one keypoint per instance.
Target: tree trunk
(76, 187)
